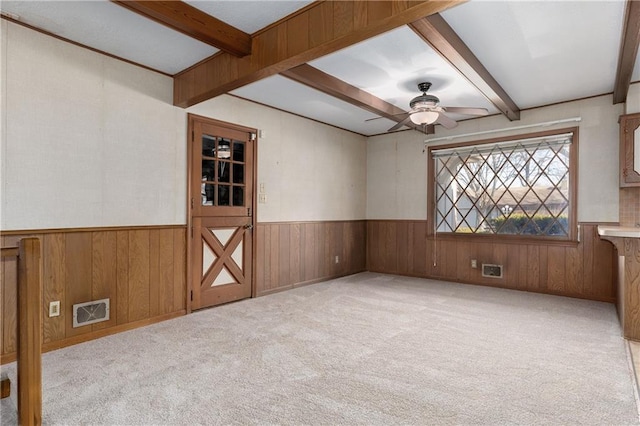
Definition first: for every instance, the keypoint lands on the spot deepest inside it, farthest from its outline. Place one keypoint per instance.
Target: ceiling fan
(426, 109)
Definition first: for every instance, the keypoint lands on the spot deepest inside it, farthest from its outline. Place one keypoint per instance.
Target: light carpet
(365, 349)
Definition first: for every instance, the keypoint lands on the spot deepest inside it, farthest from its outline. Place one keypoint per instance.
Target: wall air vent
(90, 312)
(491, 271)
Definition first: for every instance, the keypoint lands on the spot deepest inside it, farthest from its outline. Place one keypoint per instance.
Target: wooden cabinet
(628, 294)
(630, 150)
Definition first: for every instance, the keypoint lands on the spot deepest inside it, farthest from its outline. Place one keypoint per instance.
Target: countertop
(619, 231)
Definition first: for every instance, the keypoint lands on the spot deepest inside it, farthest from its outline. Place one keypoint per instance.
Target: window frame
(573, 231)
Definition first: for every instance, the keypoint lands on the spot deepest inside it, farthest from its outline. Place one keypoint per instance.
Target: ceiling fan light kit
(425, 110)
(424, 117)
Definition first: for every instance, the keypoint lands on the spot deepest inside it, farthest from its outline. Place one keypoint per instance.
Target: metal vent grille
(90, 312)
(491, 271)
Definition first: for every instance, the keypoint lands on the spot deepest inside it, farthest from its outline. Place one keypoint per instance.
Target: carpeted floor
(366, 349)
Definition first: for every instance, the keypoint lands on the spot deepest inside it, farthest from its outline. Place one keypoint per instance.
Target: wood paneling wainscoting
(584, 270)
(297, 253)
(140, 269)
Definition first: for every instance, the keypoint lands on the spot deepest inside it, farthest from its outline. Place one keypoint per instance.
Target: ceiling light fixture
(424, 117)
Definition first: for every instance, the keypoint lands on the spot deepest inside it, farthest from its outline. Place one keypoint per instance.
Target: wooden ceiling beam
(439, 35)
(319, 80)
(322, 28)
(193, 22)
(628, 51)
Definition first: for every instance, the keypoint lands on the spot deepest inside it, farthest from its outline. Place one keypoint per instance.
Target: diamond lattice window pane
(519, 188)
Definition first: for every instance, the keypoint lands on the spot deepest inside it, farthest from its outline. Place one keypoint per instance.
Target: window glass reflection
(208, 170)
(223, 171)
(238, 173)
(223, 195)
(224, 148)
(238, 196)
(207, 194)
(208, 146)
(238, 151)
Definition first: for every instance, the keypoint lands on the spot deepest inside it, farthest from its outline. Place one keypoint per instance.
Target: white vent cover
(90, 312)
(491, 271)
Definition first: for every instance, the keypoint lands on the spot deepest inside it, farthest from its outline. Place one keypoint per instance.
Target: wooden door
(222, 268)
(221, 212)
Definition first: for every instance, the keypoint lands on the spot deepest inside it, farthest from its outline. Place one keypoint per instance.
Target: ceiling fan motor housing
(424, 101)
(423, 87)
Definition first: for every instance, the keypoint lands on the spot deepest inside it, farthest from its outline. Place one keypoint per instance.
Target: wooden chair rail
(29, 330)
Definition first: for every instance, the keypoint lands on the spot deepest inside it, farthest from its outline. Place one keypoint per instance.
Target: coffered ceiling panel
(113, 29)
(543, 52)
(391, 65)
(307, 102)
(249, 15)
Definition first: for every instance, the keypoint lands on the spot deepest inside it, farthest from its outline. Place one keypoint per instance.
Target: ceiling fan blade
(467, 111)
(404, 122)
(378, 118)
(447, 122)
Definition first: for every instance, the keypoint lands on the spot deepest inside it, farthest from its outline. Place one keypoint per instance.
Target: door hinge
(249, 211)
(191, 202)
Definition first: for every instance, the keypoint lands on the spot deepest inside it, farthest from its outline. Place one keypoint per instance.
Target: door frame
(192, 192)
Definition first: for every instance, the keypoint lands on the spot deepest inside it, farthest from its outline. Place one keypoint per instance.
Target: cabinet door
(630, 150)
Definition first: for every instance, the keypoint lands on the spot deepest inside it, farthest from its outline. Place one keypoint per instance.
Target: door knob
(248, 227)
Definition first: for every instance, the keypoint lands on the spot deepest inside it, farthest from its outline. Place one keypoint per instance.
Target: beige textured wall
(633, 99)
(310, 171)
(88, 140)
(406, 170)
(396, 176)
(91, 141)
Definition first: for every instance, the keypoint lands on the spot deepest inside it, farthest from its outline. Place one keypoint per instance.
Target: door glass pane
(208, 170)
(223, 171)
(223, 195)
(238, 173)
(207, 193)
(224, 148)
(238, 151)
(238, 196)
(208, 146)
(223, 180)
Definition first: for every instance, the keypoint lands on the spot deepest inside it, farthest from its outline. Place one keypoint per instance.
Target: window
(512, 186)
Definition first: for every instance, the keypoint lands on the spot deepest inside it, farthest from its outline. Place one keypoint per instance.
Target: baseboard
(305, 283)
(506, 287)
(70, 341)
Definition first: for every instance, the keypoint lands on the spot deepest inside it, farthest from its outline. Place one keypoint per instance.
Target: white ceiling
(249, 15)
(540, 52)
(105, 26)
(543, 52)
(391, 65)
(113, 29)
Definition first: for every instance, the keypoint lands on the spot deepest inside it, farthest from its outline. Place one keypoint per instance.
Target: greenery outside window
(523, 187)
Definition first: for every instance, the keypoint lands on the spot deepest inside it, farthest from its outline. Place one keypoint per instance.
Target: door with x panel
(221, 212)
